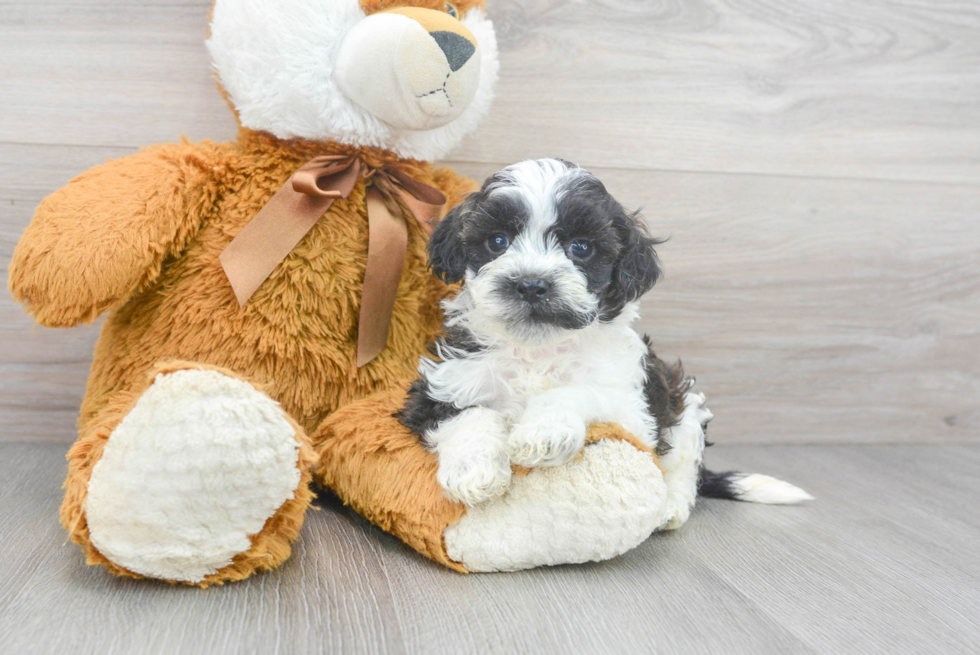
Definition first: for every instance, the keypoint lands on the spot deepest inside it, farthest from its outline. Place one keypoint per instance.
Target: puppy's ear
(447, 252)
(637, 270)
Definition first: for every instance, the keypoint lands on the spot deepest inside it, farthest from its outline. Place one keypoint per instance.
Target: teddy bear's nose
(457, 48)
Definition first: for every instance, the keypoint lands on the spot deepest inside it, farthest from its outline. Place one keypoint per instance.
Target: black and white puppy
(539, 342)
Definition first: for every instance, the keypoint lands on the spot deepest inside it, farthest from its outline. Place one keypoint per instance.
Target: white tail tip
(758, 488)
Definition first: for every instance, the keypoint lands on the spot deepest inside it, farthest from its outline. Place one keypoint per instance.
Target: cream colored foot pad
(593, 508)
(198, 465)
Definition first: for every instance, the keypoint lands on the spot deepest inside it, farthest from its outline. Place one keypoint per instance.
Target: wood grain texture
(811, 310)
(882, 561)
(831, 88)
(108, 74)
(884, 89)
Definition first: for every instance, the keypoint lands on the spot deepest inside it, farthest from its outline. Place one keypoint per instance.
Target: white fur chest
(605, 359)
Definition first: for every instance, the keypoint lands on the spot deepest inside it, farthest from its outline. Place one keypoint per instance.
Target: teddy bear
(220, 354)
(268, 300)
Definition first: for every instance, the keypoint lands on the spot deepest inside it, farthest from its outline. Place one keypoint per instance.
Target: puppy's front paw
(546, 440)
(473, 477)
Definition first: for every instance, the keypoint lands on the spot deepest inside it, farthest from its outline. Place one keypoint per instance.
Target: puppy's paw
(546, 440)
(699, 402)
(473, 477)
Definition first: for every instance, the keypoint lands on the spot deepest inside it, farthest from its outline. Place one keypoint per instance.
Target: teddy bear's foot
(682, 463)
(593, 508)
(202, 480)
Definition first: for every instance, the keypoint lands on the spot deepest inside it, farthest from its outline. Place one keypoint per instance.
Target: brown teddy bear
(220, 354)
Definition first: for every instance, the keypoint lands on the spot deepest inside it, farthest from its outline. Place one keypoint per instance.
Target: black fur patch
(460, 241)
(447, 255)
(587, 212)
(718, 485)
(664, 390)
(422, 413)
(460, 339)
(637, 268)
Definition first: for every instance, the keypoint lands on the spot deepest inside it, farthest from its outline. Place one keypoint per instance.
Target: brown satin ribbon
(283, 222)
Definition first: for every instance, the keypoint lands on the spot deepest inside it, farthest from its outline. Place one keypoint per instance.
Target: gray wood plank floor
(883, 561)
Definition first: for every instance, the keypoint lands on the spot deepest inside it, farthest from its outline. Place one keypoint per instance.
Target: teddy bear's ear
(447, 251)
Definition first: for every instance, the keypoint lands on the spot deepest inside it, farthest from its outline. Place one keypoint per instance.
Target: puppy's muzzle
(532, 290)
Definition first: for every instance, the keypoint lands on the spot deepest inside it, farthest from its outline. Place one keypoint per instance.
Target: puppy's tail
(749, 487)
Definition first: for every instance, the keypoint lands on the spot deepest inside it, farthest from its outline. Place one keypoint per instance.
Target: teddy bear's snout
(415, 69)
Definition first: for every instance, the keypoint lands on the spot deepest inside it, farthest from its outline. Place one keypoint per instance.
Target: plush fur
(177, 207)
(227, 442)
(269, 547)
(278, 69)
(604, 503)
(376, 465)
(140, 237)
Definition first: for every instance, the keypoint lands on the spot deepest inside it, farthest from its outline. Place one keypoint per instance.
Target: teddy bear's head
(410, 76)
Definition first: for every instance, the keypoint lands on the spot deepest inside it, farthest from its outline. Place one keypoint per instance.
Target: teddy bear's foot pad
(199, 465)
(594, 508)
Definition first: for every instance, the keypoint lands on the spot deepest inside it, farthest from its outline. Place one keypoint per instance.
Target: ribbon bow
(283, 222)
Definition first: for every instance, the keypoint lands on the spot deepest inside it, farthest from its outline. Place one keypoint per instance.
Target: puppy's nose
(457, 48)
(533, 290)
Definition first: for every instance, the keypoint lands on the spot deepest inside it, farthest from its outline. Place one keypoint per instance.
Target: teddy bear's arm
(94, 243)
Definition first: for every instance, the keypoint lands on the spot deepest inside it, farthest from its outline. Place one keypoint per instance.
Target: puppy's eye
(580, 249)
(451, 10)
(498, 243)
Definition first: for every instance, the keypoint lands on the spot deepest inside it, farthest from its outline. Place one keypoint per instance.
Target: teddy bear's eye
(451, 10)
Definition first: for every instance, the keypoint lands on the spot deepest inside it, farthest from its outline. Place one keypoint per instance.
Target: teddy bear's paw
(595, 507)
(474, 475)
(194, 470)
(546, 440)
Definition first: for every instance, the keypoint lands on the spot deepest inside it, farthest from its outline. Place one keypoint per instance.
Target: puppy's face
(543, 249)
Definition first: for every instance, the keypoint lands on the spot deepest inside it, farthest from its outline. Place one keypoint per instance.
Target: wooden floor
(816, 164)
(884, 561)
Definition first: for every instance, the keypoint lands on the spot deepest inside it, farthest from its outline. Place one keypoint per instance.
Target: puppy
(538, 343)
